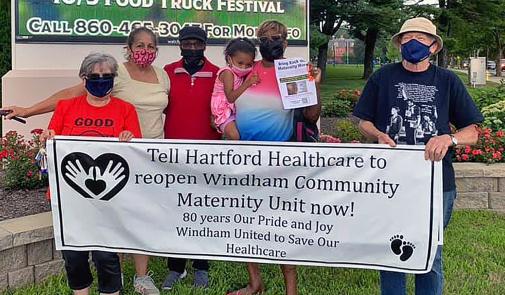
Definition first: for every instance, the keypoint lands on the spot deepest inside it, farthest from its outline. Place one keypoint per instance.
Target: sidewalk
(490, 77)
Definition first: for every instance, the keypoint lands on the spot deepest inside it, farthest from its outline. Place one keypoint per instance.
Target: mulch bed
(18, 203)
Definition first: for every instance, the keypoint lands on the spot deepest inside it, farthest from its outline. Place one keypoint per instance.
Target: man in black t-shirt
(429, 99)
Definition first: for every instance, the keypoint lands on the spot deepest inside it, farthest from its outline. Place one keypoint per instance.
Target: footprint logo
(396, 244)
(402, 248)
(407, 250)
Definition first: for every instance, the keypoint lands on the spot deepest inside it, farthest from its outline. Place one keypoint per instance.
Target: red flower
(37, 131)
(11, 133)
(29, 173)
(500, 133)
(468, 149)
(476, 152)
(464, 157)
(497, 156)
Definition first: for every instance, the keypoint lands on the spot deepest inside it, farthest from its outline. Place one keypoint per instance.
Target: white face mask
(239, 71)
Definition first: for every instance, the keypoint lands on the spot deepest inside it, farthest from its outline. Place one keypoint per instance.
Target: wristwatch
(454, 140)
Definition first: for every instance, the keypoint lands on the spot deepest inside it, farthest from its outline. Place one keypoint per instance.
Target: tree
(445, 29)
(316, 39)
(327, 16)
(369, 20)
(486, 23)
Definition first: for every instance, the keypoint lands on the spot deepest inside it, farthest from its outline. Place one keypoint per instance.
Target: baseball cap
(191, 32)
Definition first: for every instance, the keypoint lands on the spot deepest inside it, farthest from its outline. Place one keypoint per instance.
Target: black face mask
(193, 60)
(272, 49)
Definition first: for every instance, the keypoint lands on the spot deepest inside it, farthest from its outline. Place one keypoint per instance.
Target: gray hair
(97, 58)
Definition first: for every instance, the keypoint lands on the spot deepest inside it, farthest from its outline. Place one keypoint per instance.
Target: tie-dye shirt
(260, 114)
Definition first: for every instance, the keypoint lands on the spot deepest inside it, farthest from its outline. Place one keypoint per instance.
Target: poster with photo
(296, 87)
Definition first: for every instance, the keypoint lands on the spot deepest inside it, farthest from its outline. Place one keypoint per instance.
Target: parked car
(465, 64)
(491, 65)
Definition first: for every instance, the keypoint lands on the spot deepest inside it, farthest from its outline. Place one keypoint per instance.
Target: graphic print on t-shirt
(413, 117)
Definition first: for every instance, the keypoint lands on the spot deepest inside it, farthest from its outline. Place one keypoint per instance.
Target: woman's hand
(125, 135)
(15, 111)
(47, 134)
(314, 74)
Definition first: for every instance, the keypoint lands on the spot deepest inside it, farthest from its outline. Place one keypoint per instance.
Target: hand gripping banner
(338, 205)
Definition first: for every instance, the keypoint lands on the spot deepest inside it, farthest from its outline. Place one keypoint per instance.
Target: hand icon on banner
(78, 175)
(112, 176)
(101, 178)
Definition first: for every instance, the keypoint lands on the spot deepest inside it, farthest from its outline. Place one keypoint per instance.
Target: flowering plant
(489, 148)
(342, 104)
(17, 158)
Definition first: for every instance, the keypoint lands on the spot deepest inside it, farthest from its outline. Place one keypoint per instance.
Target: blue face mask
(415, 51)
(100, 87)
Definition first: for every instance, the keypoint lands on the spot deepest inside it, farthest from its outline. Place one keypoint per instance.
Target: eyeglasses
(271, 38)
(190, 44)
(95, 76)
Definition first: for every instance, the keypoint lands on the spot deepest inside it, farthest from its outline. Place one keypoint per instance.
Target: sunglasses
(94, 76)
(272, 38)
(190, 44)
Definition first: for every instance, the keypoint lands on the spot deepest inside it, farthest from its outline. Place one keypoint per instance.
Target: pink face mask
(239, 71)
(143, 57)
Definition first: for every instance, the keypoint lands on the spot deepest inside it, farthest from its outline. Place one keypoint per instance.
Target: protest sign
(296, 89)
(363, 206)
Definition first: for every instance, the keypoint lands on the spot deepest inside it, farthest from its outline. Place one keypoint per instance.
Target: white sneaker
(145, 285)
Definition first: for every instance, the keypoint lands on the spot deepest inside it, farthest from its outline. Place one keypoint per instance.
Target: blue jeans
(432, 283)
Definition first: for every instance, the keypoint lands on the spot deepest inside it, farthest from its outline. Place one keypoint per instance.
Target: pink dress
(222, 110)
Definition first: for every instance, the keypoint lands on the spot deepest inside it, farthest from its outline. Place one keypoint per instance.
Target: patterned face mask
(143, 57)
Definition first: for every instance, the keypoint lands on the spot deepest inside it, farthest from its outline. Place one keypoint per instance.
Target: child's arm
(227, 78)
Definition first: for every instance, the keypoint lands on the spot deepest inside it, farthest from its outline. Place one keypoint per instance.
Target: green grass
(341, 77)
(474, 264)
(349, 77)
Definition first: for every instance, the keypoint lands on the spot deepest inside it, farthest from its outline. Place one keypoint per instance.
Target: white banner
(340, 205)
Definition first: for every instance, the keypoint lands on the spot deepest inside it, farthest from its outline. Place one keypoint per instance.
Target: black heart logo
(103, 177)
(95, 186)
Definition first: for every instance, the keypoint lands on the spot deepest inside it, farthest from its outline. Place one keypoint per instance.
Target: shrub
(494, 115)
(336, 108)
(17, 156)
(487, 96)
(342, 104)
(489, 148)
(348, 94)
(348, 131)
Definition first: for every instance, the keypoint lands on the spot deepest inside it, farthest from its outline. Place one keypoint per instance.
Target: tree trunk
(329, 28)
(499, 54)
(498, 62)
(370, 40)
(443, 23)
(322, 57)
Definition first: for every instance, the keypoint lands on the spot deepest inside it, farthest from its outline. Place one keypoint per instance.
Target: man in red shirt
(192, 81)
(188, 116)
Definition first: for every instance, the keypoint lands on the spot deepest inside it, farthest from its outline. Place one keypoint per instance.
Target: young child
(231, 82)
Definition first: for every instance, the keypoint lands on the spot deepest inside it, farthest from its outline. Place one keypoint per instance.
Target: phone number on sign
(104, 27)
